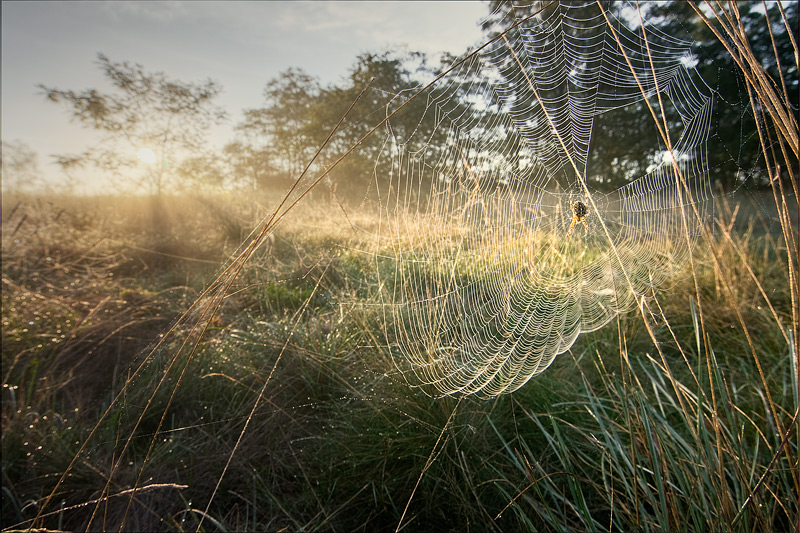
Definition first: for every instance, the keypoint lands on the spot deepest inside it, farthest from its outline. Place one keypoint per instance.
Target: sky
(240, 45)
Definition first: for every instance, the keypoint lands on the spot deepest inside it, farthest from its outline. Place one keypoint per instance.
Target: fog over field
(240, 45)
(354, 266)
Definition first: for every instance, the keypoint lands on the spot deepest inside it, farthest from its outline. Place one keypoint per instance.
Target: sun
(146, 155)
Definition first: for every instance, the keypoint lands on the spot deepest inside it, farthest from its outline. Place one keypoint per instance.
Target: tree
(251, 165)
(391, 78)
(624, 142)
(146, 113)
(20, 166)
(282, 135)
(734, 148)
(277, 140)
(207, 171)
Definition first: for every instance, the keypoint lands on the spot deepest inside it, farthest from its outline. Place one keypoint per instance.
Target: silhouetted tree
(251, 165)
(625, 142)
(734, 148)
(20, 167)
(277, 140)
(209, 171)
(392, 78)
(143, 111)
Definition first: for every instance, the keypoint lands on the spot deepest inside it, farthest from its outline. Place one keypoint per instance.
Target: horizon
(240, 45)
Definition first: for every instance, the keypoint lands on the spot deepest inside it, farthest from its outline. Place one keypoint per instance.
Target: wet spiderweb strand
(490, 285)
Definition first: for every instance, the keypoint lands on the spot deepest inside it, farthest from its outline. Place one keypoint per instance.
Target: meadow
(219, 362)
(288, 411)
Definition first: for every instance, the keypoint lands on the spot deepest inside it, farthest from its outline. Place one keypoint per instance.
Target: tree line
(272, 143)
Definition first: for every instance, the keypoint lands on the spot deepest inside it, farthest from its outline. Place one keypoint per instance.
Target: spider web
(489, 287)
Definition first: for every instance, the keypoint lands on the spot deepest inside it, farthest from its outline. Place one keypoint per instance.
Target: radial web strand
(505, 247)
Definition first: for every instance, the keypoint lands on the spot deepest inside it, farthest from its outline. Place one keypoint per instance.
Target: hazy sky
(241, 45)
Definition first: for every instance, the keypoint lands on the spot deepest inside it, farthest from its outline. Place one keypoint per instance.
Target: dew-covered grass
(289, 411)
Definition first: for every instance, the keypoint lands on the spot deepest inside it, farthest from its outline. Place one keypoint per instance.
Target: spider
(579, 214)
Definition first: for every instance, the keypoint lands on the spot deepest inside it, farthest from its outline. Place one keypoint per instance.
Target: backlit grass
(695, 431)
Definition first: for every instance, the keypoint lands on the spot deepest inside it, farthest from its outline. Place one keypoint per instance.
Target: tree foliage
(734, 149)
(625, 142)
(20, 166)
(283, 129)
(274, 142)
(143, 110)
(277, 140)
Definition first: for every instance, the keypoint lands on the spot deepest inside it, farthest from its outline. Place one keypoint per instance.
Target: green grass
(618, 434)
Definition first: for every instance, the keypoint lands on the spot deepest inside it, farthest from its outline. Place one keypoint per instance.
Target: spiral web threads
(489, 287)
